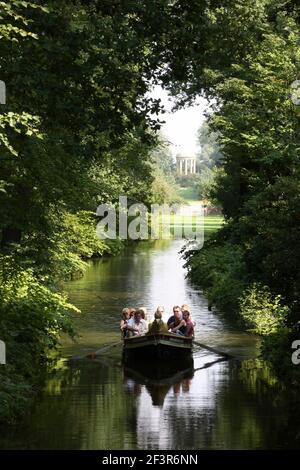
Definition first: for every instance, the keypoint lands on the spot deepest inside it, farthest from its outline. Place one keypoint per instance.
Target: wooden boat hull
(162, 345)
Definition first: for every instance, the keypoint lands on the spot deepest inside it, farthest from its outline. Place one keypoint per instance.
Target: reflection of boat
(159, 378)
(160, 345)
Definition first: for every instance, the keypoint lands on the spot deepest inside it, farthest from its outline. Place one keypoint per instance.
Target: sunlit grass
(177, 224)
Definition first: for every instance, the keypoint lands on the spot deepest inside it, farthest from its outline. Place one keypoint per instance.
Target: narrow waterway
(235, 404)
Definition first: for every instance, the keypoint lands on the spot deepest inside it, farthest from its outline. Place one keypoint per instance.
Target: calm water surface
(209, 404)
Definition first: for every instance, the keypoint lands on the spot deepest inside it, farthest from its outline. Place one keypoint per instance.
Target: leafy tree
(76, 131)
(257, 125)
(209, 154)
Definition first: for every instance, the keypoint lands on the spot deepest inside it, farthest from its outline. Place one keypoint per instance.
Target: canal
(100, 404)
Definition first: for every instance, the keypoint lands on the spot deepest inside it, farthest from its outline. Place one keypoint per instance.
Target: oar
(216, 351)
(209, 364)
(100, 351)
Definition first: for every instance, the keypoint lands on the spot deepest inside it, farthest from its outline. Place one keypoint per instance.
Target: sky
(181, 126)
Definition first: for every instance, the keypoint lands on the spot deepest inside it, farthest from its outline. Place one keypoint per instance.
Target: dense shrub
(15, 394)
(221, 271)
(32, 316)
(75, 242)
(264, 313)
(164, 189)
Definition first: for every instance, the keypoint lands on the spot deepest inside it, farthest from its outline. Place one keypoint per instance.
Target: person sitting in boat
(131, 310)
(189, 324)
(158, 325)
(144, 313)
(124, 322)
(161, 309)
(186, 307)
(183, 326)
(176, 317)
(137, 326)
(175, 323)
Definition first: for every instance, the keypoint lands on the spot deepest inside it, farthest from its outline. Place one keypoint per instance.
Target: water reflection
(228, 405)
(158, 379)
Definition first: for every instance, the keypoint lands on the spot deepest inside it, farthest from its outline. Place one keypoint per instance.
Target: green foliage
(81, 133)
(164, 189)
(77, 241)
(32, 316)
(87, 101)
(263, 312)
(13, 24)
(276, 348)
(186, 181)
(257, 127)
(162, 158)
(221, 271)
(14, 27)
(188, 193)
(209, 155)
(15, 395)
(209, 162)
(206, 183)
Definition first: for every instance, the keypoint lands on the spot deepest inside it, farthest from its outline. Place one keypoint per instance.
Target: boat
(159, 345)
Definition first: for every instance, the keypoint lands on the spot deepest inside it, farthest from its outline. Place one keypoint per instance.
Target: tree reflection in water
(100, 405)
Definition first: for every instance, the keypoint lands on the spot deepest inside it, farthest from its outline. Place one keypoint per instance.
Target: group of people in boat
(134, 322)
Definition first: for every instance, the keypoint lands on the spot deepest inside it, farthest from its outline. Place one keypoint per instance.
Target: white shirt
(142, 326)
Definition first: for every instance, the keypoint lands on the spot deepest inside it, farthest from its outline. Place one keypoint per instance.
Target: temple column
(185, 167)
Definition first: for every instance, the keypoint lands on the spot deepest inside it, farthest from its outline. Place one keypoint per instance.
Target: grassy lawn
(211, 223)
(177, 222)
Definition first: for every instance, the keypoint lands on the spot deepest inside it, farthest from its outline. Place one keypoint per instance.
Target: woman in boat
(144, 313)
(131, 310)
(160, 309)
(186, 307)
(124, 322)
(189, 324)
(137, 326)
(158, 325)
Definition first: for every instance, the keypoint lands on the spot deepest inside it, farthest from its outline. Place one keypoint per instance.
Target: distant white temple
(186, 165)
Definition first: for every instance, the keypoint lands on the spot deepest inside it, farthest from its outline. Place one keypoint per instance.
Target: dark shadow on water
(158, 377)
